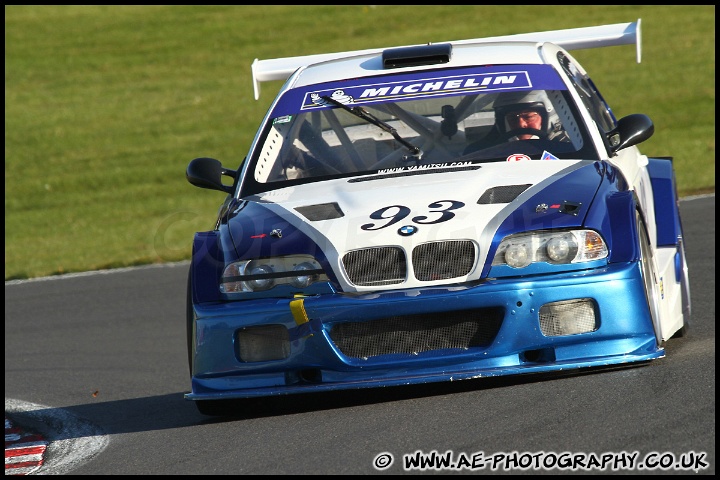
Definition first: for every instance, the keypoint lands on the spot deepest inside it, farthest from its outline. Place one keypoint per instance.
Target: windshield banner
(420, 84)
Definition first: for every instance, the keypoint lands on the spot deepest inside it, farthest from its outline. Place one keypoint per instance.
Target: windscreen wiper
(368, 117)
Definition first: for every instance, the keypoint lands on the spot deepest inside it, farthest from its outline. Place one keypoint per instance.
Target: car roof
(519, 48)
(462, 55)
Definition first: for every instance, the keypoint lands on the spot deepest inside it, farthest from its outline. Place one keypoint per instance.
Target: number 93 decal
(438, 212)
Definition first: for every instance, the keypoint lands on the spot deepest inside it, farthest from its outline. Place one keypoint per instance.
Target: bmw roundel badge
(407, 230)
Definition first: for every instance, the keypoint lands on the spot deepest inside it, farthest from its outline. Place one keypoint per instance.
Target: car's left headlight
(258, 275)
(564, 247)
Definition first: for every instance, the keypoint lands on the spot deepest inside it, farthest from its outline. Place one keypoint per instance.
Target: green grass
(105, 107)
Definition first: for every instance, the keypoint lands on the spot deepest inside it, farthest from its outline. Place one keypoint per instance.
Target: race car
(432, 213)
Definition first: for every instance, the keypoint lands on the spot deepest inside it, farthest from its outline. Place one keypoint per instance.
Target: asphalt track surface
(96, 364)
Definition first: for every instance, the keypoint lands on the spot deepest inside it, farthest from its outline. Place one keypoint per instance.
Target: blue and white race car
(433, 213)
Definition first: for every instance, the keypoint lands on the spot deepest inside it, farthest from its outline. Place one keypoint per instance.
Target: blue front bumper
(624, 334)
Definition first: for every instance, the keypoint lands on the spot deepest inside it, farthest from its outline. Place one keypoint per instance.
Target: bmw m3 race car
(433, 213)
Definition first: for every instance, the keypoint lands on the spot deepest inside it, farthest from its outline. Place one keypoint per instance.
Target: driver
(531, 113)
(526, 115)
(525, 118)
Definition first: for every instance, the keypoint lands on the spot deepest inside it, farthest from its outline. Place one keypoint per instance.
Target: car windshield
(441, 119)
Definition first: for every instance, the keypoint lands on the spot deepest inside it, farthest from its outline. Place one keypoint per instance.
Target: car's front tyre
(684, 291)
(649, 276)
(189, 319)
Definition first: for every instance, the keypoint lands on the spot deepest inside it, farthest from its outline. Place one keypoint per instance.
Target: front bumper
(623, 334)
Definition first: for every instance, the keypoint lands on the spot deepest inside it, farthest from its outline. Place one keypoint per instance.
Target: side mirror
(630, 130)
(207, 172)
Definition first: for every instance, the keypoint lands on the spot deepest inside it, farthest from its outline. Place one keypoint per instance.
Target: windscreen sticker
(283, 119)
(517, 157)
(548, 156)
(338, 95)
(419, 84)
(429, 87)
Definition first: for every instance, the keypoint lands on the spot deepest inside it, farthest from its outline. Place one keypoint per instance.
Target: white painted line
(35, 457)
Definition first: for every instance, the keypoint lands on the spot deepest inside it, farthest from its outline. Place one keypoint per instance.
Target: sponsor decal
(662, 289)
(283, 119)
(543, 207)
(517, 157)
(429, 166)
(392, 91)
(548, 156)
(418, 84)
(338, 95)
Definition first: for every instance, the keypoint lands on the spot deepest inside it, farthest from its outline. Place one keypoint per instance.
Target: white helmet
(536, 100)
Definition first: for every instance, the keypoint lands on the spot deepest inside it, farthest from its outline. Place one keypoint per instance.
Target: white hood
(440, 205)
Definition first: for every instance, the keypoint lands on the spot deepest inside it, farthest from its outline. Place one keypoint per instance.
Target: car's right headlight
(258, 275)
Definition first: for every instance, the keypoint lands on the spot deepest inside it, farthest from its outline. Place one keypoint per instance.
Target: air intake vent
(504, 194)
(571, 208)
(415, 56)
(321, 211)
(413, 334)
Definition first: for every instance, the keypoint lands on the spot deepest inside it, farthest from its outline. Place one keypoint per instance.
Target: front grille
(412, 334)
(376, 266)
(443, 260)
(431, 261)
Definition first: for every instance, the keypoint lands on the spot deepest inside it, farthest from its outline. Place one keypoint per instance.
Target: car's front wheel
(189, 319)
(684, 290)
(649, 276)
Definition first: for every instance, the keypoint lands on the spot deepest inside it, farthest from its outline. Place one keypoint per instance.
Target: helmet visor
(524, 118)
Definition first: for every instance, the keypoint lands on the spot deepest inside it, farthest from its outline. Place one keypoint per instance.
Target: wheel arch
(666, 201)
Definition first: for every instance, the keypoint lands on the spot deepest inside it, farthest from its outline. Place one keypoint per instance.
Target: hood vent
(321, 211)
(571, 208)
(504, 194)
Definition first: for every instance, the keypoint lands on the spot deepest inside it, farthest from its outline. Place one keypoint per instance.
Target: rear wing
(570, 39)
